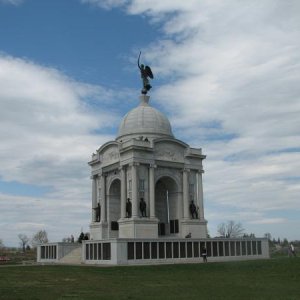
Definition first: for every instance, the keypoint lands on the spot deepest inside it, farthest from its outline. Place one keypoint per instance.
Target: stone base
(138, 228)
(197, 228)
(98, 230)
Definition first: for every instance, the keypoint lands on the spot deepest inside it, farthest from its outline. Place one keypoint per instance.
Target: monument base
(138, 228)
(98, 230)
(195, 228)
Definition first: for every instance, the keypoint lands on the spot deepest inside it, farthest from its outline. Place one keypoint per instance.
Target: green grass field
(261, 279)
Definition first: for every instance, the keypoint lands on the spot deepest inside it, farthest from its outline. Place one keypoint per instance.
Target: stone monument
(147, 161)
(147, 200)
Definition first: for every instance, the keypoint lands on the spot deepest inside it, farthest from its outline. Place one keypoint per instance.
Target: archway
(167, 206)
(114, 207)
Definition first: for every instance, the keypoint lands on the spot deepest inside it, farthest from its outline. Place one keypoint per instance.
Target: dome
(146, 121)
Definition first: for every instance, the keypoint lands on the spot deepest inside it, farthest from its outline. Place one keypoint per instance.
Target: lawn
(261, 279)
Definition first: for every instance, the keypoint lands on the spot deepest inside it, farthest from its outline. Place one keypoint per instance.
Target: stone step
(74, 257)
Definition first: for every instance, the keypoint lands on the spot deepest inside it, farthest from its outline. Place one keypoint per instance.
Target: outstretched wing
(149, 72)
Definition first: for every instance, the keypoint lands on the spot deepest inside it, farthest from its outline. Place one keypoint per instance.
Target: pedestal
(98, 230)
(196, 227)
(138, 228)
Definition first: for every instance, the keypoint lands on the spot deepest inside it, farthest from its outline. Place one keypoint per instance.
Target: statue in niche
(193, 210)
(146, 73)
(98, 212)
(143, 206)
(128, 208)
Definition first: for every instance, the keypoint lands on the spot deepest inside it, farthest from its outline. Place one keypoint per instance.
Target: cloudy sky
(227, 75)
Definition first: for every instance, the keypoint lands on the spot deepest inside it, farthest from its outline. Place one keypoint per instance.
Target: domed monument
(149, 171)
(147, 200)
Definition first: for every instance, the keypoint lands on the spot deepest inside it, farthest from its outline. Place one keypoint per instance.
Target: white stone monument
(147, 200)
(146, 163)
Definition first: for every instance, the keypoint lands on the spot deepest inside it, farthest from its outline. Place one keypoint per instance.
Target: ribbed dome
(144, 120)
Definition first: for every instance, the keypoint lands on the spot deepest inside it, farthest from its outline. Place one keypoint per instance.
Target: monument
(147, 199)
(147, 162)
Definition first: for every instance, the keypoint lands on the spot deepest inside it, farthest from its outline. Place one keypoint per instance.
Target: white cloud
(13, 2)
(60, 216)
(44, 119)
(232, 71)
(106, 4)
(233, 88)
(47, 125)
(269, 221)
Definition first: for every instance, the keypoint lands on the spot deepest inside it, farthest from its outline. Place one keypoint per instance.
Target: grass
(261, 279)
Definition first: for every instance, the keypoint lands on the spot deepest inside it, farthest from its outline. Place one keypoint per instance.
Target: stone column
(152, 191)
(134, 190)
(123, 192)
(103, 198)
(185, 187)
(94, 197)
(200, 195)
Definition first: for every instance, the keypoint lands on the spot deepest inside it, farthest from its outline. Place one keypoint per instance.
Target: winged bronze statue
(146, 73)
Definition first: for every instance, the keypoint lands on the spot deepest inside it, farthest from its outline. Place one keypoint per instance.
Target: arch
(167, 204)
(107, 145)
(114, 205)
(111, 178)
(167, 173)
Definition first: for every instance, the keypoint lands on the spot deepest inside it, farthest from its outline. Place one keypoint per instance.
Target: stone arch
(172, 173)
(111, 178)
(167, 203)
(114, 204)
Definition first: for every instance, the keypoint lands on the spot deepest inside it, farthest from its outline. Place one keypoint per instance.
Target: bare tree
(231, 229)
(41, 237)
(24, 240)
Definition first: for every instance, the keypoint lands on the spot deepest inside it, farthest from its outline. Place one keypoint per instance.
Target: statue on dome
(146, 73)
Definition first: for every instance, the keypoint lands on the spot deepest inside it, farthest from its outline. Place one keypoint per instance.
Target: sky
(226, 74)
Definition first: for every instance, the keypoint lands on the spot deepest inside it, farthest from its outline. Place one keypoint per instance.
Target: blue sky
(226, 75)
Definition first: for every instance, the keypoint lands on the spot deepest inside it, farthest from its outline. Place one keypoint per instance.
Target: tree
(24, 241)
(41, 237)
(285, 242)
(231, 229)
(81, 237)
(1, 244)
(268, 236)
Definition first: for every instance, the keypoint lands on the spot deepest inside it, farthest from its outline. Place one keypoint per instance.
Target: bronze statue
(143, 206)
(98, 212)
(193, 210)
(145, 74)
(128, 208)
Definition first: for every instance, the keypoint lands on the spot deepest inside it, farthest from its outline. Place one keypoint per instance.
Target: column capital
(187, 170)
(134, 164)
(153, 166)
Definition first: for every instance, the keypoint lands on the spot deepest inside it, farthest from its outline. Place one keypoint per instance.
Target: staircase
(74, 257)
